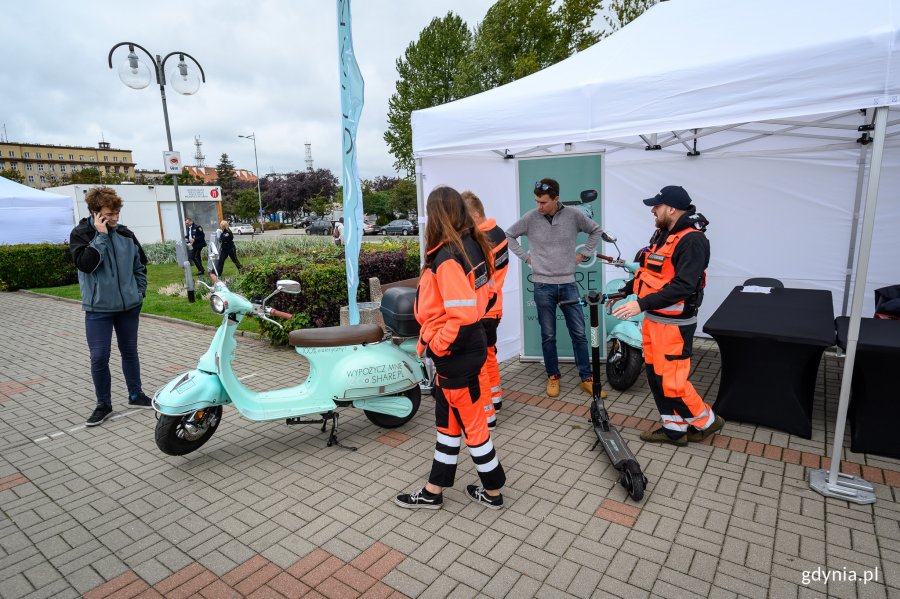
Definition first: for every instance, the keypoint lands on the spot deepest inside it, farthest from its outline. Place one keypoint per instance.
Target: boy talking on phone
(112, 275)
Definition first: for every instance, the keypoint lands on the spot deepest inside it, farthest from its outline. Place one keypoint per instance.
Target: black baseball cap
(671, 195)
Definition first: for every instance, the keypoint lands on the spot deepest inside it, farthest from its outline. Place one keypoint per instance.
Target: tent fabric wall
(30, 215)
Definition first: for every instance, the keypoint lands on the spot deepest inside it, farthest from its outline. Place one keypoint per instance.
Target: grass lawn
(161, 275)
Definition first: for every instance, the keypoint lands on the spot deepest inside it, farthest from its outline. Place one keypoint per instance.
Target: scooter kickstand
(332, 438)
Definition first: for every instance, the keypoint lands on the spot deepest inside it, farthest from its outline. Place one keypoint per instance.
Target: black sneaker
(420, 499)
(140, 401)
(100, 414)
(661, 436)
(477, 494)
(696, 436)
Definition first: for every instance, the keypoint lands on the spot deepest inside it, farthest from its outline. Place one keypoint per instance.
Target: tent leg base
(849, 488)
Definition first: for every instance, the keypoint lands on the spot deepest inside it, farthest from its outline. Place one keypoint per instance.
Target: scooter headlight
(217, 304)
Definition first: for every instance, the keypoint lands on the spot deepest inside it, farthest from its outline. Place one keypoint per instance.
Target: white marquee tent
(30, 215)
(764, 111)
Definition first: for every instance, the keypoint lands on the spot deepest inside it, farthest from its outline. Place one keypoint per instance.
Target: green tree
(320, 205)
(245, 206)
(13, 175)
(85, 175)
(520, 37)
(425, 78)
(403, 197)
(227, 180)
(185, 178)
(624, 12)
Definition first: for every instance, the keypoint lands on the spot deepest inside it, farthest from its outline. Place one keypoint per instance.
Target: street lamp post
(136, 74)
(262, 219)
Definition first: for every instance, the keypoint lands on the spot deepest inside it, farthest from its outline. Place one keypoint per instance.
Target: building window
(74, 168)
(27, 155)
(53, 177)
(126, 170)
(106, 159)
(107, 169)
(38, 155)
(71, 157)
(41, 167)
(81, 157)
(2, 166)
(31, 178)
(28, 167)
(93, 159)
(60, 156)
(52, 167)
(62, 168)
(43, 179)
(12, 154)
(14, 165)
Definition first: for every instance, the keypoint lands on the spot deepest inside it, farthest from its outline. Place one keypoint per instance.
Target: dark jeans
(99, 327)
(227, 252)
(546, 297)
(198, 262)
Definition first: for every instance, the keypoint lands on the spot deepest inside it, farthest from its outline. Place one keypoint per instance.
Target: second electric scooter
(631, 477)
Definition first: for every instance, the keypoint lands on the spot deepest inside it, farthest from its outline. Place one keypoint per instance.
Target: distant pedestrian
(197, 240)
(112, 275)
(338, 232)
(227, 248)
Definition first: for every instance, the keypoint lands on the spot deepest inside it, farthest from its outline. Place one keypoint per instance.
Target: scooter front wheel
(388, 421)
(623, 365)
(180, 435)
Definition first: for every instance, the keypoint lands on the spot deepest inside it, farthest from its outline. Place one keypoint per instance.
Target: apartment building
(44, 165)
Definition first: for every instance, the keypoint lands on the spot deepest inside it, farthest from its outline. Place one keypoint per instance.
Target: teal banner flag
(352, 100)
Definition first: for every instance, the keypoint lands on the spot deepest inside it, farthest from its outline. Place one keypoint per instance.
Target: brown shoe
(695, 436)
(659, 436)
(553, 385)
(587, 386)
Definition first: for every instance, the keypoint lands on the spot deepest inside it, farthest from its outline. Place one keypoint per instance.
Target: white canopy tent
(764, 111)
(30, 215)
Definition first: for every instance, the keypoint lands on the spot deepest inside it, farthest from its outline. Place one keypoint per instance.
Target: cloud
(271, 68)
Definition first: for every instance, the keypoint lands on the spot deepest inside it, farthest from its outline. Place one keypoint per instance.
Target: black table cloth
(770, 346)
(875, 401)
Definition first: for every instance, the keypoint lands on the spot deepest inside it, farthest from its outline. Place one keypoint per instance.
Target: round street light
(136, 74)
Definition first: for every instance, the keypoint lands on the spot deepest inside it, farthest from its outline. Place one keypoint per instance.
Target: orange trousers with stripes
(459, 413)
(667, 356)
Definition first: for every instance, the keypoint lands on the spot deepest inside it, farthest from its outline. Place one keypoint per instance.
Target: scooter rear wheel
(388, 421)
(624, 371)
(180, 435)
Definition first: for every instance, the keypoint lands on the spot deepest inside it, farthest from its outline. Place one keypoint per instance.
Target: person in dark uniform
(197, 238)
(227, 248)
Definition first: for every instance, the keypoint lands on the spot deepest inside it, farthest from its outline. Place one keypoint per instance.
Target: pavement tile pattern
(267, 510)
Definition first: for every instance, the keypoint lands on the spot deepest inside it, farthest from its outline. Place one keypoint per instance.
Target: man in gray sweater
(552, 230)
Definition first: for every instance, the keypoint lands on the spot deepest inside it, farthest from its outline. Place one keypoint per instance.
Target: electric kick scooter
(616, 449)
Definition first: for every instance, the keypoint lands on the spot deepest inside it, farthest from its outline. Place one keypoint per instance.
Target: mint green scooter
(355, 366)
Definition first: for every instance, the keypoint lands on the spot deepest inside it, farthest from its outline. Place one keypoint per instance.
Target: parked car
(319, 227)
(400, 227)
(303, 222)
(242, 229)
(371, 229)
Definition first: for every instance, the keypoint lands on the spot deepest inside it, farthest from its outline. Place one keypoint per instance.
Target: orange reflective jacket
(657, 271)
(451, 300)
(500, 252)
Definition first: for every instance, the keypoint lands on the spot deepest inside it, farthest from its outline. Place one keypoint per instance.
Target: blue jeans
(546, 297)
(99, 327)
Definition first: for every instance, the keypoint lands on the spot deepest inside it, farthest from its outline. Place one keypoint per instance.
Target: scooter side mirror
(588, 195)
(607, 237)
(288, 286)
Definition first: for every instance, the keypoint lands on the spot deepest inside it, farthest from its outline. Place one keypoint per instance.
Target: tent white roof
(30, 215)
(677, 67)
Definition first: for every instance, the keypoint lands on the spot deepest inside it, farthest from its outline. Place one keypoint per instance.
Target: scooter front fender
(193, 390)
(628, 332)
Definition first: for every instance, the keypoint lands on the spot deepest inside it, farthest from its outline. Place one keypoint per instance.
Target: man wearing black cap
(669, 286)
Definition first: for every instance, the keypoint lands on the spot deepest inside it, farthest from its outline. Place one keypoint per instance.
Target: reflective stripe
(496, 388)
(700, 417)
(664, 320)
(674, 422)
(448, 440)
(457, 303)
(443, 458)
(489, 466)
(482, 449)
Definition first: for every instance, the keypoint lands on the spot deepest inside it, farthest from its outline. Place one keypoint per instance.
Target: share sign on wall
(172, 163)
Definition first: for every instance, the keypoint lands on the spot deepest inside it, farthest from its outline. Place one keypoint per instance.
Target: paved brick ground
(267, 510)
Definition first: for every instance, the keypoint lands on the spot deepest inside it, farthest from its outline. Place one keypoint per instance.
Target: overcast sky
(271, 67)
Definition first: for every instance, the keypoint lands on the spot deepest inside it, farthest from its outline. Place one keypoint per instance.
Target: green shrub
(272, 226)
(323, 282)
(35, 265)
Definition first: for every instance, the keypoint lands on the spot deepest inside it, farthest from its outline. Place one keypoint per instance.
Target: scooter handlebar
(280, 314)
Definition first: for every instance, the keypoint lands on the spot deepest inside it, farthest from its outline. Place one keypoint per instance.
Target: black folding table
(770, 345)
(875, 393)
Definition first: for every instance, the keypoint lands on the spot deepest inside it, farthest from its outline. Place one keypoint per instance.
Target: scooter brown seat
(336, 336)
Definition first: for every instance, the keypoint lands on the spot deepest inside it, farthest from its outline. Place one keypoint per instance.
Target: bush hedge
(163, 252)
(35, 265)
(323, 282)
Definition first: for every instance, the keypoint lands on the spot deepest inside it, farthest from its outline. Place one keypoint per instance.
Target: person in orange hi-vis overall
(451, 300)
(669, 286)
(491, 390)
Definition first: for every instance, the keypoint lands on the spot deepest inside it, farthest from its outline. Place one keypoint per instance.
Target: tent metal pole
(420, 208)
(854, 227)
(852, 488)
